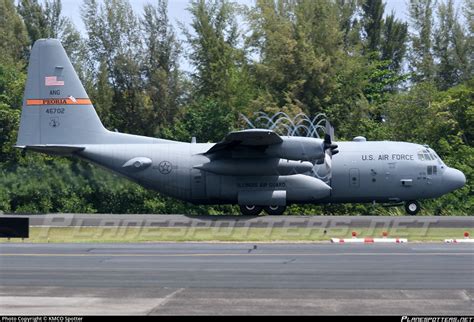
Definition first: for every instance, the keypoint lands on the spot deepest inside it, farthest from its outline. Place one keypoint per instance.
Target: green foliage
(9, 121)
(221, 74)
(164, 79)
(451, 47)
(13, 34)
(421, 55)
(394, 38)
(372, 23)
(12, 83)
(300, 45)
(109, 26)
(207, 121)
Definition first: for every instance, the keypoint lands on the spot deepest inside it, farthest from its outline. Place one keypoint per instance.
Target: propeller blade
(329, 148)
(328, 137)
(328, 163)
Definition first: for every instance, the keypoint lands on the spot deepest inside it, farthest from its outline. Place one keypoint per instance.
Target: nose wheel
(250, 210)
(412, 207)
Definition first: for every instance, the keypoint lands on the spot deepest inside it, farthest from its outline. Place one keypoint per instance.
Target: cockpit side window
(432, 170)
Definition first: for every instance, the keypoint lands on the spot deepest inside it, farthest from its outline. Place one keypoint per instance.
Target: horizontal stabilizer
(53, 149)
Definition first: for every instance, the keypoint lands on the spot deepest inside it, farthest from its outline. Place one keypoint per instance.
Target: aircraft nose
(453, 179)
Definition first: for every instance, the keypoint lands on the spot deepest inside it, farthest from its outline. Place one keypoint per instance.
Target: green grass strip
(227, 234)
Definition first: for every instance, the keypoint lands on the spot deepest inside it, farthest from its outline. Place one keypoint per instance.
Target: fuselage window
(435, 170)
(430, 170)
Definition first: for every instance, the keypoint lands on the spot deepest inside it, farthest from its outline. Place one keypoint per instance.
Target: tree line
(370, 72)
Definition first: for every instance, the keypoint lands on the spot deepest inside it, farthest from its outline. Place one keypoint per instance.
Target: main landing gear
(252, 210)
(275, 210)
(412, 207)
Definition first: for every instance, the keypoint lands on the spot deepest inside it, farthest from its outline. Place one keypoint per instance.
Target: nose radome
(453, 179)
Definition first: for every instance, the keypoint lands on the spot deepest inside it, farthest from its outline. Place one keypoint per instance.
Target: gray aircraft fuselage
(380, 171)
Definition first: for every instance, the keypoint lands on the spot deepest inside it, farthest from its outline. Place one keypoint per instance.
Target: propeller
(330, 149)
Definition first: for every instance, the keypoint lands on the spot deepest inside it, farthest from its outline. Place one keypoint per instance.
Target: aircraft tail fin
(56, 108)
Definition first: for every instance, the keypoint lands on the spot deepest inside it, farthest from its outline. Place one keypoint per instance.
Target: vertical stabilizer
(56, 108)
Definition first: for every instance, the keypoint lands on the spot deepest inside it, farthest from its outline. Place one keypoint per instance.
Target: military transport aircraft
(256, 169)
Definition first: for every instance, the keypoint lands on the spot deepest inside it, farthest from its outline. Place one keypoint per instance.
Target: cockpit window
(434, 154)
(425, 155)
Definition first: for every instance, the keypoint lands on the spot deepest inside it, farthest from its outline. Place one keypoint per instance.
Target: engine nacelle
(297, 148)
(255, 167)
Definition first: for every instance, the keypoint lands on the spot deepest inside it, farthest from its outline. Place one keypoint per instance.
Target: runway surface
(196, 278)
(66, 220)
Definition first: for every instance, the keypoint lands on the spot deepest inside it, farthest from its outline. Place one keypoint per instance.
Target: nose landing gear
(412, 207)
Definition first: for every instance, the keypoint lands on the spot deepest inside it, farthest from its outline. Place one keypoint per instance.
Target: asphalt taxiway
(240, 278)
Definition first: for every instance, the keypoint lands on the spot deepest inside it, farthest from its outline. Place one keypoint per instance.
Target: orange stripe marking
(59, 101)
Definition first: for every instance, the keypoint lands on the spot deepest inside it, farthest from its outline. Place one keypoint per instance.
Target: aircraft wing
(252, 138)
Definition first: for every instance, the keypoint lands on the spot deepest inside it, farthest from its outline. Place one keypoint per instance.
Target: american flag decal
(53, 81)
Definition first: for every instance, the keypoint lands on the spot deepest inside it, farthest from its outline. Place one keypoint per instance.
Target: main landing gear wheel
(250, 210)
(275, 210)
(412, 207)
